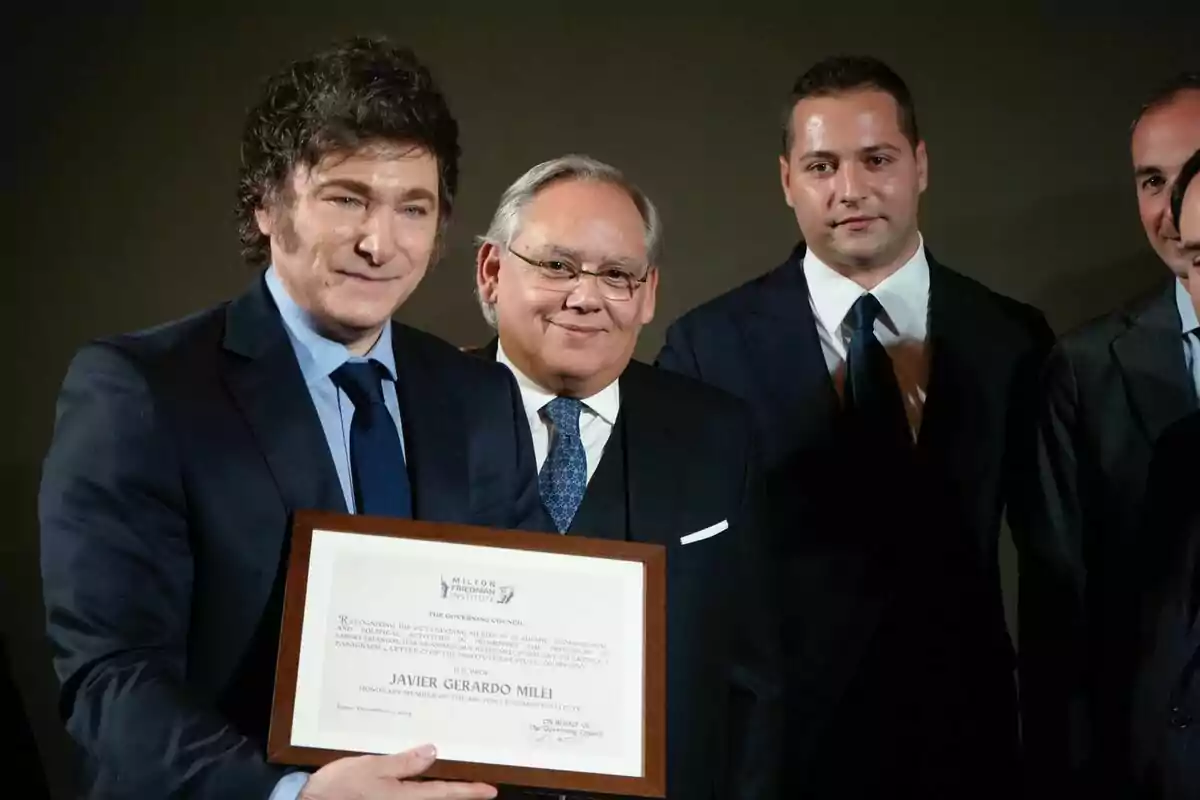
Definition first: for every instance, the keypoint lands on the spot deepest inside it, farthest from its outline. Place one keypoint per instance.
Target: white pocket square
(707, 533)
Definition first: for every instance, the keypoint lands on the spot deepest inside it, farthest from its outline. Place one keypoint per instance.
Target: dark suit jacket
(898, 666)
(680, 459)
(179, 455)
(1166, 707)
(1110, 388)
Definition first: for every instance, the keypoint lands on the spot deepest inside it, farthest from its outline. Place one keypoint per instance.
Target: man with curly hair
(180, 452)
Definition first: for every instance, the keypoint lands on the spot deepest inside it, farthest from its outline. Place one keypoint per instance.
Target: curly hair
(361, 92)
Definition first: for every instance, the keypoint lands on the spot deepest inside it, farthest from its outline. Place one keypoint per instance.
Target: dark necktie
(873, 404)
(563, 478)
(376, 456)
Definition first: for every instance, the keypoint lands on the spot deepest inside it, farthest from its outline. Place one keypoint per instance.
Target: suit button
(1180, 718)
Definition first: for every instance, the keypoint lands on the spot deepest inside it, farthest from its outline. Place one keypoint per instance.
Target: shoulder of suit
(1093, 336)
(986, 300)
(171, 341)
(688, 395)
(745, 298)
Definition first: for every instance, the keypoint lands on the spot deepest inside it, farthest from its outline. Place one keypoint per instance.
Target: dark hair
(1186, 175)
(842, 74)
(1165, 93)
(362, 91)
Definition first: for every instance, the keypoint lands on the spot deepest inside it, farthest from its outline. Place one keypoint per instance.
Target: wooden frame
(652, 782)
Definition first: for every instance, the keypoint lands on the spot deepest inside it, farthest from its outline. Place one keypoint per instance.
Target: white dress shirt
(902, 328)
(596, 420)
(1191, 333)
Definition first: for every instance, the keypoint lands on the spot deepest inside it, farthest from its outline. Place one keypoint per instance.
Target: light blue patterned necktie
(563, 478)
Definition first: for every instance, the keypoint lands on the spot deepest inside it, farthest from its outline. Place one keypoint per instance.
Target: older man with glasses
(567, 274)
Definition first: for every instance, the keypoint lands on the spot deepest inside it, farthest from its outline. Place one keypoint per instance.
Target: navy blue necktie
(873, 403)
(563, 478)
(376, 457)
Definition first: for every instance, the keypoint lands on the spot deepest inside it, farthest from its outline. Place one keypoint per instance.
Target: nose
(585, 295)
(378, 241)
(851, 183)
(1168, 228)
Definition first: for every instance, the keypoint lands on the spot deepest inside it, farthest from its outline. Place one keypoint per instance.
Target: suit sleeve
(117, 576)
(677, 353)
(756, 702)
(1046, 521)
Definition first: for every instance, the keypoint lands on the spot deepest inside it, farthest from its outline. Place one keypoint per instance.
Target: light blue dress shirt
(318, 358)
(1191, 334)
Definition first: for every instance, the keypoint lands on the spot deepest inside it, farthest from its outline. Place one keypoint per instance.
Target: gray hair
(506, 221)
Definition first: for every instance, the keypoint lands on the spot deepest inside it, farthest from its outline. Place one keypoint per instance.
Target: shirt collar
(604, 403)
(319, 356)
(904, 294)
(1187, 311)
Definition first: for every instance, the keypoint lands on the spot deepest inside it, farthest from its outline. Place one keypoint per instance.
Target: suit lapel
(1150, 357)
(602, 513)
(654, 494)
(955, 398)
(789, 365)
(266, 384)
(434, 433)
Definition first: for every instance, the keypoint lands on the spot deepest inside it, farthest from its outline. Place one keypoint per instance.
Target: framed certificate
(527, 659)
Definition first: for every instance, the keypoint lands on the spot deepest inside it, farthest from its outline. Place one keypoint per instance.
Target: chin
(359, 316)
(574, 366)
(864, 253)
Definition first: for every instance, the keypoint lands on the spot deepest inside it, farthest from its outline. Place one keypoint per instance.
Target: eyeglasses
(562, 275)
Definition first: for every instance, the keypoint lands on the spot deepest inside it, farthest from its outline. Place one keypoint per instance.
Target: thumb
(407, 764)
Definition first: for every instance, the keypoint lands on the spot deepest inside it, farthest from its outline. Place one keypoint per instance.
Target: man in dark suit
(1166, 702)
(1111, 387)
(181, 452)
(1166, 695)
(567, 274)
(892, 397)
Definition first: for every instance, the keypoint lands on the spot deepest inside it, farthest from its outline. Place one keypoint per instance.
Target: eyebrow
(1147, 171)
(866, 151)
(364, 189)
(558, 251)
(880, 148)
(349, 184)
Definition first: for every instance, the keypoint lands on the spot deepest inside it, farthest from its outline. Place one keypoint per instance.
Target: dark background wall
(123, 125)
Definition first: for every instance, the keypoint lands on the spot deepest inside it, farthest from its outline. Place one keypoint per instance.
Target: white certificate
(510, 657)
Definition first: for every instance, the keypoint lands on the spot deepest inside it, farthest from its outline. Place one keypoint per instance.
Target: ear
(651, 299)
(487, 271)
(922, 166)
(785, 179)
(265, 220)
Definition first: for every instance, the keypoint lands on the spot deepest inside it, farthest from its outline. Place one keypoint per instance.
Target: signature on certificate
(562, 730)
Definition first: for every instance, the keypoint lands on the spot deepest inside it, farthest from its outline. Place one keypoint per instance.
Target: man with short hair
(1110, 388)
(181, 452)
(568, 274)
(893, 398)
(1166, 699)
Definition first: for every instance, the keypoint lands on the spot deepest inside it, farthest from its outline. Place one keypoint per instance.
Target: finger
(447, 790)
(407, 764)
